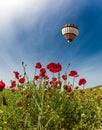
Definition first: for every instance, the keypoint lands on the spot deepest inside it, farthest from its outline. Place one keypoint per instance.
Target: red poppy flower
(36, 77)
(53, 67)
(82, 81)
(46, 77)
(49, 87)
(51, 82)
(58, 82)
(13, 90)
(69, 89)
(29, 95)
(13, 83)
(73, 73)
(64, 77)
(54, 79)
(45, 82)
(11, 87)
(16, 74)
(20, 104)
(43, 70)
(22, 80)
(100, 98)
(50, 65)
(82, 92)
(95, 94)
(2, 85)
(38, 65)
(42, 75)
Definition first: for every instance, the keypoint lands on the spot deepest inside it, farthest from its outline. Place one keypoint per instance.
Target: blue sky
(30, 31)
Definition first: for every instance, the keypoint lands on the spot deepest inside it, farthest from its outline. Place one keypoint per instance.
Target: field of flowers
(49, 104)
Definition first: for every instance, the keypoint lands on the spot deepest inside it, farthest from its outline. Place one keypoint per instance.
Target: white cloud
(22, 12)
(30, 10)
(11, 9)
(25, 10)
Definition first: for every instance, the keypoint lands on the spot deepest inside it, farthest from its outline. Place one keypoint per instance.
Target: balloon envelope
(70, 31)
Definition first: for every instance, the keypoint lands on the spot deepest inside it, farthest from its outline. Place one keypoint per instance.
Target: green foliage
(36, 108)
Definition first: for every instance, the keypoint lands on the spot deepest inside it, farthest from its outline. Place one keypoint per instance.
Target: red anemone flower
(38, 65)
(73, 73)
(82, 81)
(54, 68)
(2, 85)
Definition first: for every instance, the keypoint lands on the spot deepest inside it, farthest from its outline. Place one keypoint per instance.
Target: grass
(36, 108)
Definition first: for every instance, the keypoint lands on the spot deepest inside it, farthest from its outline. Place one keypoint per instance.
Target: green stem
(48, 122)
(67, 68)
(83, 87)
(24, 71)
(59, 77)
(25, 122)
(4, 98)
(35, 72)
(41, 114)
(73, 83)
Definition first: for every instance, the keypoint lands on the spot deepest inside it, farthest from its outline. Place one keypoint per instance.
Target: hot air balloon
(70, 31)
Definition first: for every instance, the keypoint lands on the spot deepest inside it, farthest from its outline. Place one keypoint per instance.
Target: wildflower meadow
(49, 102)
